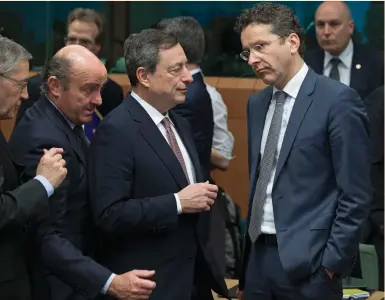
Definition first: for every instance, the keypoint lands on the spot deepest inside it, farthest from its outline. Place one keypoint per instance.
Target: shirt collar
(293, 86)
(195, 71)
(345, 56)
(154, 114)
(70, 123)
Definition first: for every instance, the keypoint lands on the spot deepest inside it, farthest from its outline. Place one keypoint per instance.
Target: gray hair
(59, 67)
(190, 35)
(142, 50)
(11, 54)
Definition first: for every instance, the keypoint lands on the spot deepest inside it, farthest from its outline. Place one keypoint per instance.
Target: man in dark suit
(197, 108)
(19, 204)
(66, 243)
(84, 27)
(374, 104)
(148, 193)
(338, 57)
(309, 167)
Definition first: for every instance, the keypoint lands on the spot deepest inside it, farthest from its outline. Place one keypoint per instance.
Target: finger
(146, 284)
(45, 151)
(61, 163)
(57, 157)
(53, 151)
(143, 273)
(207, 208)
(211, 195)
(211, 187)
(210, 202)
(141, 291)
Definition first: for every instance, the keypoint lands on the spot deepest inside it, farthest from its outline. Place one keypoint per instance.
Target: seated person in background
(339, 57)
(374, 104)
(223, 140)
(84, 27)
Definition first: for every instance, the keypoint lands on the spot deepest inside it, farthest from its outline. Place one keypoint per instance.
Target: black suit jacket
(134, 174)
(66, 241)
(112, 96)
(18, 205)
(198, 110)
(363, 80)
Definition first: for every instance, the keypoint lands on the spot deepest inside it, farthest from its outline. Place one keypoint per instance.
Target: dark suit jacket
(321, 193)
(66, 241)
(134, 174)
(112, 96)
(374, 104)
(198, 110)
(18, 205)
(363, 80)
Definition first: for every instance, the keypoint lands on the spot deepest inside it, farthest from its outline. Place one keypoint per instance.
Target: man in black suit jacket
(375, 109)
(359, 67)
(20, 203)
(66, 242)
(148, 193)
(197, 108)
(85, 27)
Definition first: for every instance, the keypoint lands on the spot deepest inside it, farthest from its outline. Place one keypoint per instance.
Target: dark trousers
(266, 279)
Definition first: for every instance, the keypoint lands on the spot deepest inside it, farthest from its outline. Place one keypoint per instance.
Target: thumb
(143, 273)
(45, 151)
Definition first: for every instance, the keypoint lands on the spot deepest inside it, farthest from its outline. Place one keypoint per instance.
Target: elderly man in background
(339, 57)
(20, 203)
(66, 243)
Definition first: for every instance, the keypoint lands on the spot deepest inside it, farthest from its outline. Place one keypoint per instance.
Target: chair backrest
(369, 265)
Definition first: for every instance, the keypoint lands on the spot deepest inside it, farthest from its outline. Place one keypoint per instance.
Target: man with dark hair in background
(148, 191)
(84, 27)
(20, 203)
(309, 167)
(65, 244)
(338, 57)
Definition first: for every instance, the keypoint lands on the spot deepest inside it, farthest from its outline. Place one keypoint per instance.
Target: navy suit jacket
(321, 193)
(134, 174)
(364, 80)
(65, 242)
(198, 110)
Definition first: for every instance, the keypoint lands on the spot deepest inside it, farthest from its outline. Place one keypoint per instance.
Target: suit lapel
(58, 119)
(301, 105)
(318, 63)
(188, 142)
(156, 141)
(356, 74)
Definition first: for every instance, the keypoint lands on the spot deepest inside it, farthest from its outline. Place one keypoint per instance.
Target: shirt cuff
(108, 283)
(178, 205)
(47, 185)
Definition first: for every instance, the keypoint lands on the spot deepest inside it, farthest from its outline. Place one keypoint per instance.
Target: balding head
(334, 26)
(73, 79)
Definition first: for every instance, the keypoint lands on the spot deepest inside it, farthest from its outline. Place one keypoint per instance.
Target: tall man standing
(309, 166)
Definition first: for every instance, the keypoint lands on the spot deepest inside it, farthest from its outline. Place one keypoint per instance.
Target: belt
(267, 239)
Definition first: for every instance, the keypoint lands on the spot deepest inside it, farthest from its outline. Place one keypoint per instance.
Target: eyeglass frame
(22, 84)
(245, 54)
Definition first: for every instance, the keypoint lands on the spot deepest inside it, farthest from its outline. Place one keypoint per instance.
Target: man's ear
(54, 86)
(142, 76)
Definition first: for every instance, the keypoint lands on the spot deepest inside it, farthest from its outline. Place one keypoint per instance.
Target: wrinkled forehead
(173, 56)
(88, 73)
(256, 34)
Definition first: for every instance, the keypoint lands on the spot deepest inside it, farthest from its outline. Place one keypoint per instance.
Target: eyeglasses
(74, 41)
(258, 48)
(22, 84)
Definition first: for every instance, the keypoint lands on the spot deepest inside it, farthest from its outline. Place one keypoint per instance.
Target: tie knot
(280, 97)
(166, 122)
(335, 61)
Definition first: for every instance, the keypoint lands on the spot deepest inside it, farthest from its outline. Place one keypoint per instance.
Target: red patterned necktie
(174, 145)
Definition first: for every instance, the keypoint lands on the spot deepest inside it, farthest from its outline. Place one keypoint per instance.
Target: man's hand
(197, 197)
(240, 295)
(133, 285)
(52, 166)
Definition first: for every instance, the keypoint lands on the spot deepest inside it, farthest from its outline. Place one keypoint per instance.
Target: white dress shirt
(291, 89)
(157, 117)
(344, 67)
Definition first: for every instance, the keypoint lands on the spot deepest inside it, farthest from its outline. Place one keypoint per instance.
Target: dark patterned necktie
(334, 73)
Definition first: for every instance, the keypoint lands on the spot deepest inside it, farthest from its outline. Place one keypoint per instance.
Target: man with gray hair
(148, 191)
(67, 242)
(20, 203)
